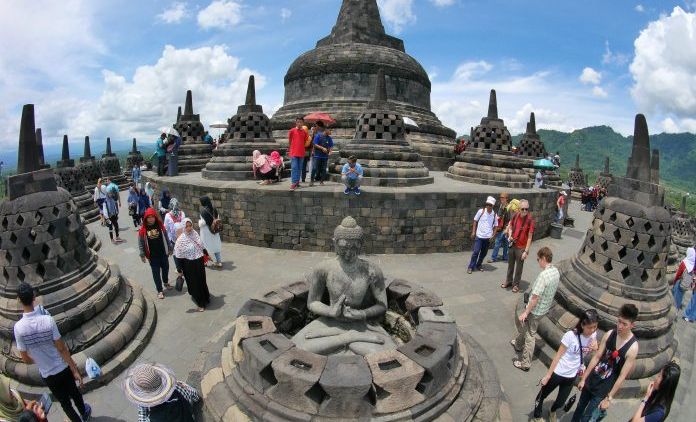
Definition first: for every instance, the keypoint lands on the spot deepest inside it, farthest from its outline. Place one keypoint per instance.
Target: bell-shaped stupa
(89, 167)
(605, 177)
(532, 148)
(39, 147)
(194, 152)
(380, 145)
(489, 159)
(70, 179)
(98, 312)
(110, 167)
(248, 130)
(683, 236)
(134, 157)
(623, 260)
(337, 77)
(577, 176)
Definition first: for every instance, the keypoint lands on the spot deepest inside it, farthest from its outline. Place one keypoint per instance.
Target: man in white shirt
(484, 228)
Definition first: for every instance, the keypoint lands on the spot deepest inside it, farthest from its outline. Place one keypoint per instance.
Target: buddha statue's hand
(354, 314)
(357, 336)
(336, 309)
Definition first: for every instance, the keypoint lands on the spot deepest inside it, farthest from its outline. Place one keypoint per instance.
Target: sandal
(160, 295)
(200, 310)
(468, 270)
(517, 364)
(515, 289)
(505, 285)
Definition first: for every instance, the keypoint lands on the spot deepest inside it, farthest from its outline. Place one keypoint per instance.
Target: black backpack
(176, 409)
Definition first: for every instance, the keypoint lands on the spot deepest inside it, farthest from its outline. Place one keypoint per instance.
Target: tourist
(576, 348)
(322, 148)
(541, 298)
(538, 179)
(309, 150)
(161, 153)
(557, 159)
(163, 204)
(133, 198)
(609, 367)
(158, 395)
(136, 174)
(99, 196)
(155, 249)
(172, 222)
(261, 166)
(209, 234)
(351, 176)
(110, 212)
(173, 144)
(150, 191)
(277, 164)
(143, 204)
(500, 239)
(519, 234)
(39, 341)
(684, 278)
(13, 406)
(560, 206)
(296, 150)
(482, 230)
(112, 189)
(657, 402)
(190, 252)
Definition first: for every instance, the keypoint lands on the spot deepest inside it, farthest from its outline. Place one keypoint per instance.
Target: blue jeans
(500, 240)
(159, 264)
(218, 257)
(690, 311)
(296, 169)
(479, 253)
(586, 406)
(319, 168)
(678, 294)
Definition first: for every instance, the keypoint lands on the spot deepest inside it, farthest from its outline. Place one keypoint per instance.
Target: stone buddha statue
(357, 301)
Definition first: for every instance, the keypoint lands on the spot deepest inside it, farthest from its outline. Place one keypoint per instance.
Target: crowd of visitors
(591, 196)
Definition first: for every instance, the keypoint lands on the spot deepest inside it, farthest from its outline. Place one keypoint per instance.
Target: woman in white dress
(211, 241)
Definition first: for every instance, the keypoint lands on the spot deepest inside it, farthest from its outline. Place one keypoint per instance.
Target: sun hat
(149, 385)
(564, 193)
(490, 200)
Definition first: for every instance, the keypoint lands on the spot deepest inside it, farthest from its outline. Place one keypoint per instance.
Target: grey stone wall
(395, 221)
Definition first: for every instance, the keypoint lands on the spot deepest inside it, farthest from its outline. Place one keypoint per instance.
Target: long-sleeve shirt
(188, 392)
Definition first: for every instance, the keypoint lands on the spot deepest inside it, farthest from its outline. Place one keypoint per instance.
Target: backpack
(176, 409)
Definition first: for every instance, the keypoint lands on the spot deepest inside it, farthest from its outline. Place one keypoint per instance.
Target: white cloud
(558, 102)
(610, 57)
(639, 8)
(598, 91)
(670, 125)
(397, 13)
(590, 76)
(220, 14)
(175, 13)
(442, 3)
(285, 14)
(664, 72)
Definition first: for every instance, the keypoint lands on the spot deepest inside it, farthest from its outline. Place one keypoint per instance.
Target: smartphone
(45, 402)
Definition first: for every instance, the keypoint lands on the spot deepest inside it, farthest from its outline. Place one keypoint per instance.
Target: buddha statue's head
(348, 239)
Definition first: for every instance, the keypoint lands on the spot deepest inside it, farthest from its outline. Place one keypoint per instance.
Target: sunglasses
(524, 209)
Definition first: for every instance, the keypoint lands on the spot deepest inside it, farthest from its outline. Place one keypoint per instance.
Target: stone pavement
(481, 309)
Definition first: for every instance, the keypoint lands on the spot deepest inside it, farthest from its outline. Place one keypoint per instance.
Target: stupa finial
(577, 161)
(606, 165)
(27, 158)
(178, 114)
(88, 150)
(65, 155)
(134, 149)
(39, 148)
(380, 88)
(655, 167)
(492, 105)
(359, 22)
(639, 164)
(251, 92)
(108, 146)
(532, 123)
(683, 204)
(188, 107)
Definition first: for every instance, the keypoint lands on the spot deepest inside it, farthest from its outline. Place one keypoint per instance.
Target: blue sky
(120, 68)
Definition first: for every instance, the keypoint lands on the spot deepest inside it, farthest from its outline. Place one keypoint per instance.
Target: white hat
(564, 193)
(490, 200)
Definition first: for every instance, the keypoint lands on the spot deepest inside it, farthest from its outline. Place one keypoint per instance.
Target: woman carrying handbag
(191, 254)
(576, 346)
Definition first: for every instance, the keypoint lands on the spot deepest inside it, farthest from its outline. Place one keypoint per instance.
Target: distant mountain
(677, 152)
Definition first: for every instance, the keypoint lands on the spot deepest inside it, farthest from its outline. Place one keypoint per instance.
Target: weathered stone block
(347, 380)
(395, 378)
(434, 358)
(297, 372)
(259, 352)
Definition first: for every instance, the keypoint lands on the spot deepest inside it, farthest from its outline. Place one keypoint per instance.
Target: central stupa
(338, 76)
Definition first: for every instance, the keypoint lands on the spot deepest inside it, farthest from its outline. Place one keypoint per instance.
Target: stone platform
(415, 219)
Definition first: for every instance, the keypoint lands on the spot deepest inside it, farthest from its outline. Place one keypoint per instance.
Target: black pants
(565, 385)
(160, 165)
(159, 265)
(112, 224)
(63, 388)
(319, 168)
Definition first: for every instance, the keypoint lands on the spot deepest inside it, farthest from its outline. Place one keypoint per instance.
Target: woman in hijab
(189, 250)
(277, 163)
(211, 241)
(172, 222)
(164, 201)
(262, 168)
(133, 198)
(143, 204)
(150, 192)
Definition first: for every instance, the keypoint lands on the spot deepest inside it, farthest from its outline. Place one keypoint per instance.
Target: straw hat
(149, 385)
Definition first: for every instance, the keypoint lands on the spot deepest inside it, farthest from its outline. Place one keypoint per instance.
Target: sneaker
(160, 295)
(492, 260)
(357, 191)
(88, 413)
(346, 191)
(294, 186)
(321, 183)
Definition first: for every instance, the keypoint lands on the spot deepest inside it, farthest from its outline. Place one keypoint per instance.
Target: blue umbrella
(544, 164)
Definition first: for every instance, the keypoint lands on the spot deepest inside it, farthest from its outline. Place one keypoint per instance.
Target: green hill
(677, 155)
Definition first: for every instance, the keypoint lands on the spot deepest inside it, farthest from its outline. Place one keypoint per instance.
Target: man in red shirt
(296, 149)
(560, 204)
(520, 230)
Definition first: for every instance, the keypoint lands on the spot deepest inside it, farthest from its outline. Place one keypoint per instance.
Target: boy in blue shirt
(161, 153)
(351, 175)
(322, 145)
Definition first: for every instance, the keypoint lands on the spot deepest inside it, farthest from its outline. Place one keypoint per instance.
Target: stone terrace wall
(394, 221)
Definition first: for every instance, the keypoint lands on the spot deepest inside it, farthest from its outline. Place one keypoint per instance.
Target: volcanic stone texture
(135, 157)
(110, 167)
(194, 153)
(89, 167)
(577, 176)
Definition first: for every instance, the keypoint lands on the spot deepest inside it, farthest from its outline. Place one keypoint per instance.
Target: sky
(120, 68)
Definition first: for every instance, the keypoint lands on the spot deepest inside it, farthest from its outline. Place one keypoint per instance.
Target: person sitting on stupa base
(349, 324)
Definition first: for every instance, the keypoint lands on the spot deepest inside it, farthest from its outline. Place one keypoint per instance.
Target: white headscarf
(690, 259)
(188, 245)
